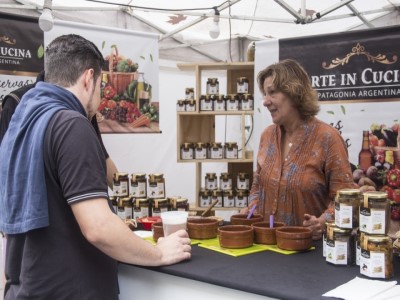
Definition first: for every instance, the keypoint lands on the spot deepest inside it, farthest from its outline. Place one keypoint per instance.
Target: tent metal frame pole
(358, 14)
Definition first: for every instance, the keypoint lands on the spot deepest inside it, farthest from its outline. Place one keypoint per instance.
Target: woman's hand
(315, 224)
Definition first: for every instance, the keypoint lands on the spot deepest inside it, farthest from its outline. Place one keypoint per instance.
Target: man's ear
(88, 78)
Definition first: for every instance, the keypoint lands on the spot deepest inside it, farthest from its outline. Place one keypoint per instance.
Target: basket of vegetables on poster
(125, 93)
(384, 172)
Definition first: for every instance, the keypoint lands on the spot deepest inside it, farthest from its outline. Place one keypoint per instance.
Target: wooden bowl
(265, 235)
(235, 236)
(202, 228)
(158, 230)
(294, 238)
(241, 219)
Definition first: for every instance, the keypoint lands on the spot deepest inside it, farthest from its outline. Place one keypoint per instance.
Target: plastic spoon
(251, 212)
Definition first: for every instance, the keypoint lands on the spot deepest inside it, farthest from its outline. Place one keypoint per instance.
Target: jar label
(336, 252)
(247, 105)
(343, 216)
(141, 212)
(233, 153)
(205, 201)
(219, 199)
(138, 190)
(373, 221)
(189, 107)
(121, 189)
(180, 107)
(216, 153)
(232, 105)
(206, 105)
(225, 184)
(156, 190)
(372, 264)
(211, 184)
(187, 154)
(200, 153)
(243, 184)
(241, 202)
(229, 202)
(218, 106)
(243, 88)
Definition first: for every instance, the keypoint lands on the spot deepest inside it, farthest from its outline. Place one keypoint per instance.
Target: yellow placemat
(213, 244)
(275, 248)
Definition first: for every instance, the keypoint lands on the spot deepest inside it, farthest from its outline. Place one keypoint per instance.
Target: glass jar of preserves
(125, 208)
(141, 208)
(225, 181)
(156, 186)
(212, 86)
(347, 204)
(375, 213)
(242, 85)
(121, 184)
(200, 150)
(220, 103)
(243, 181)
(190, 105)
(187, 151)
(204, 198)
(189, 93)
(339, 246)
(247, 102)
(215, 151)
(231, 150)
(158, 206)
(178, 203)
(210, 181)
(206, 103)
(376, 260)
(216, 195)
(180, 105)
(241, 198)
(228, 198)
(138, 186)
(232, 104)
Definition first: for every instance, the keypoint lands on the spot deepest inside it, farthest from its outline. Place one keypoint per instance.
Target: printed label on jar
(241, 202)
(200, 153)
(120, 189)
(216, 153)
(219, 105)
(187, 154)
(229, 202)
(373, 221)
(225, 184)
(372, 264)
(243, 184)
(336, 252)
(219, 198)
(156, 191)
(138, 190)
(232, 105)
(231, 153)
(141, 212)
(343, 216)
(247, 104)
(205, 201)
(211, 184)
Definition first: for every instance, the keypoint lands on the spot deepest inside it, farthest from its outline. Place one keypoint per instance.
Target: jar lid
(155, 176)
(126, 199)
(377, 238)
(376, 195)
(118, 175)
(138, 175)
(348, 192)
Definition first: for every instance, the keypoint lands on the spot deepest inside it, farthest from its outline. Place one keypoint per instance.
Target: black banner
(21, 45)
(361, 65)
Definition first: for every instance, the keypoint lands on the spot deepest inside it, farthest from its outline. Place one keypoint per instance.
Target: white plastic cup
(173, 221)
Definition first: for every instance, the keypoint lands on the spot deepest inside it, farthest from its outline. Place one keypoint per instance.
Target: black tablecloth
(297, 276)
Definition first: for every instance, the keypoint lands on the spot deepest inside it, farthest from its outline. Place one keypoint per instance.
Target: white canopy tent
(184, 26)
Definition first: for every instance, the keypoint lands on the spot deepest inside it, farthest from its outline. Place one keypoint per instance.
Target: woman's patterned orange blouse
(306, 181)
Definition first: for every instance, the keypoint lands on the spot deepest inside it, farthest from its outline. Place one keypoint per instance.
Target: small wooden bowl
(294, 238)
(202, 228)
(158, 230)
(235, 236)
(265, 235)
(241, 219)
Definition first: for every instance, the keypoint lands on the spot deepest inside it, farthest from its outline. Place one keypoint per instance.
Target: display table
(219, 276)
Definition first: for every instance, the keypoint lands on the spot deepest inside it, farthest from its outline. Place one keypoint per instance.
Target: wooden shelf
(199, 126)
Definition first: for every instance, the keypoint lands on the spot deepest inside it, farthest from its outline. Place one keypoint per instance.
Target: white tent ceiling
(186, 24)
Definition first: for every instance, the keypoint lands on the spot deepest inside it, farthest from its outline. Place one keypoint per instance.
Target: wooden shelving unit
(199, 126)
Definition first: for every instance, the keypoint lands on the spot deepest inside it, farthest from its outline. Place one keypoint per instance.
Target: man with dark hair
(53, 194)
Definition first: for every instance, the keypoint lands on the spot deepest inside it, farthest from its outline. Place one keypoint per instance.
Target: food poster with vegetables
(357, 77)
(129, 81)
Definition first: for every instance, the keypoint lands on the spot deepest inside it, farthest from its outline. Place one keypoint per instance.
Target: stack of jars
(133, 198)
(214, 150)
(189, 103)
(224, 193)
(375, 246)
(358, 234)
